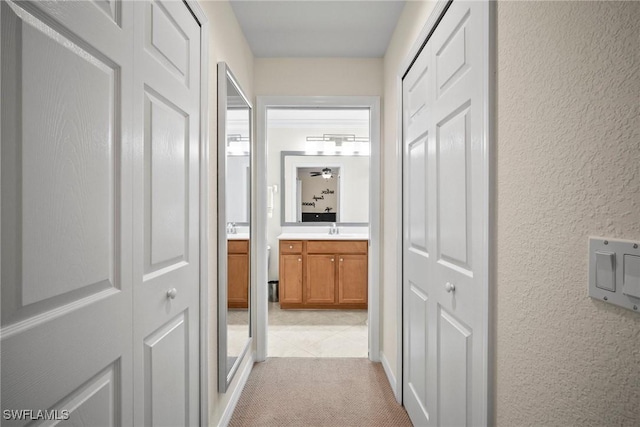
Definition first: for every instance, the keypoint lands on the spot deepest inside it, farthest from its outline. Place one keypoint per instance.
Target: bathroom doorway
(318, 170)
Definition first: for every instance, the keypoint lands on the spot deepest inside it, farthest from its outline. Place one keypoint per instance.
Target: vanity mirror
(324, 188)
(234, 225)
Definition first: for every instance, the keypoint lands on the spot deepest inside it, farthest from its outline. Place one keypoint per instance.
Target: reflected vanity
(234, 225)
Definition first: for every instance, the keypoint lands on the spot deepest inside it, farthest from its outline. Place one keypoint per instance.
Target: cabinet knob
(299, 259)
(332, 259)
(290, 246)
(341, 260)
(171, 293)
(450, 287)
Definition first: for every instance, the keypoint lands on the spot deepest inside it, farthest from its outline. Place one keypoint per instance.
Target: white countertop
(238, 236)
(323, 236)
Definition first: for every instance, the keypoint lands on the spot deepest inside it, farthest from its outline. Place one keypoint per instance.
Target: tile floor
(317, 333)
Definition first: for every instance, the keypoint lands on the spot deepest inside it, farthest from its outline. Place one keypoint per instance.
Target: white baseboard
(235, 397)
(390, 376)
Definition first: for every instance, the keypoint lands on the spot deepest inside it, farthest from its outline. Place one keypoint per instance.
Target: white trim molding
(373, 104)
(237, 392)
(395, 387)
(201, 17)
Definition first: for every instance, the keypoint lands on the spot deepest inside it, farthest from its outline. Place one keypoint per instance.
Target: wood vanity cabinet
(323, 274)
(238, 274)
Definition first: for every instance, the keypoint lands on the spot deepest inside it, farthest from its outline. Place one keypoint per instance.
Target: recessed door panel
(417, 347)
(415, 98)
(167, 42)
(417, 194)
(166, 380)
(111, 8)
(97, 402)
(452, 57)
(167, 152)
(454, 357)
(58, 168)
(452, 144)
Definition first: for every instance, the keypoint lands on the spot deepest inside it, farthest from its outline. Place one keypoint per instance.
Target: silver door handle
(450, 287)
(171, 293)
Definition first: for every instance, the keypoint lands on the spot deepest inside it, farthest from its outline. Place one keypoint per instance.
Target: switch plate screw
(635, 246)
(606, 242)
(606, 299)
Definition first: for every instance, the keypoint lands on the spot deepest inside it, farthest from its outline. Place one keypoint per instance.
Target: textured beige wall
(228, 44)
(568, 166)
(414, 16)
(318, 76)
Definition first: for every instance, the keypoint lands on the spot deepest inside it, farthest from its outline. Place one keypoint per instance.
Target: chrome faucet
(334, 229)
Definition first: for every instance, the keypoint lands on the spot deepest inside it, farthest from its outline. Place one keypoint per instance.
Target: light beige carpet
(316, 393)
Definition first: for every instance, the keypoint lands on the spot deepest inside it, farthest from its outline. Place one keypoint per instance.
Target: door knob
(171, 293)
(450, 287)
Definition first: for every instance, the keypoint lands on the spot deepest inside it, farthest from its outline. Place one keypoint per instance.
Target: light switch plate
(607, 271)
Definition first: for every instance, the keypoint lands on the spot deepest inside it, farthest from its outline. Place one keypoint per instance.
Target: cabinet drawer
(291, 247)
(238, 246)
(337, 247)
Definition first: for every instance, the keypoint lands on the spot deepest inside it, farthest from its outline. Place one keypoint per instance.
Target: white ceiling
(318, 28)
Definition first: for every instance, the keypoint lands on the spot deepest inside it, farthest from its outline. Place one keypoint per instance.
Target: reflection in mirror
(324, 188)
(234, 225)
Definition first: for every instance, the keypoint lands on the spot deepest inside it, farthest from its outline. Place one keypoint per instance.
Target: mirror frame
(226, 373)
(283, 189)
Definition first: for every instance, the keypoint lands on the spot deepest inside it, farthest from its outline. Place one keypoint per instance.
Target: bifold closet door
(100, 212)
(445, 223)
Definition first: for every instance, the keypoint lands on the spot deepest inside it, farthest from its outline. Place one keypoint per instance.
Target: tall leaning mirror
(234, 225)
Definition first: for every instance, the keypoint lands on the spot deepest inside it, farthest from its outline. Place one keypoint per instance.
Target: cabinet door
(238, 280)
(290, 279)
(352, 279)
(321, 279)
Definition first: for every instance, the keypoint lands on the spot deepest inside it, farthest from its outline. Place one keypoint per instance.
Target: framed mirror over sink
(234, 225)
(324, 188)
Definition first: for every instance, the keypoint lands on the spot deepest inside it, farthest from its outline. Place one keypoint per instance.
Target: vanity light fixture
(341, 143)
(337, 138)
(237, 144)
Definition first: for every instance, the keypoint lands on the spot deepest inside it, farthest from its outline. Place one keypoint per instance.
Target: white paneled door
(166, 212)
(99, 214)
(445, 223)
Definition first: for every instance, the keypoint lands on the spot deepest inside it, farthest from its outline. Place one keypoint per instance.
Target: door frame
(261, 291)
(201, 18)
(488, 187)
